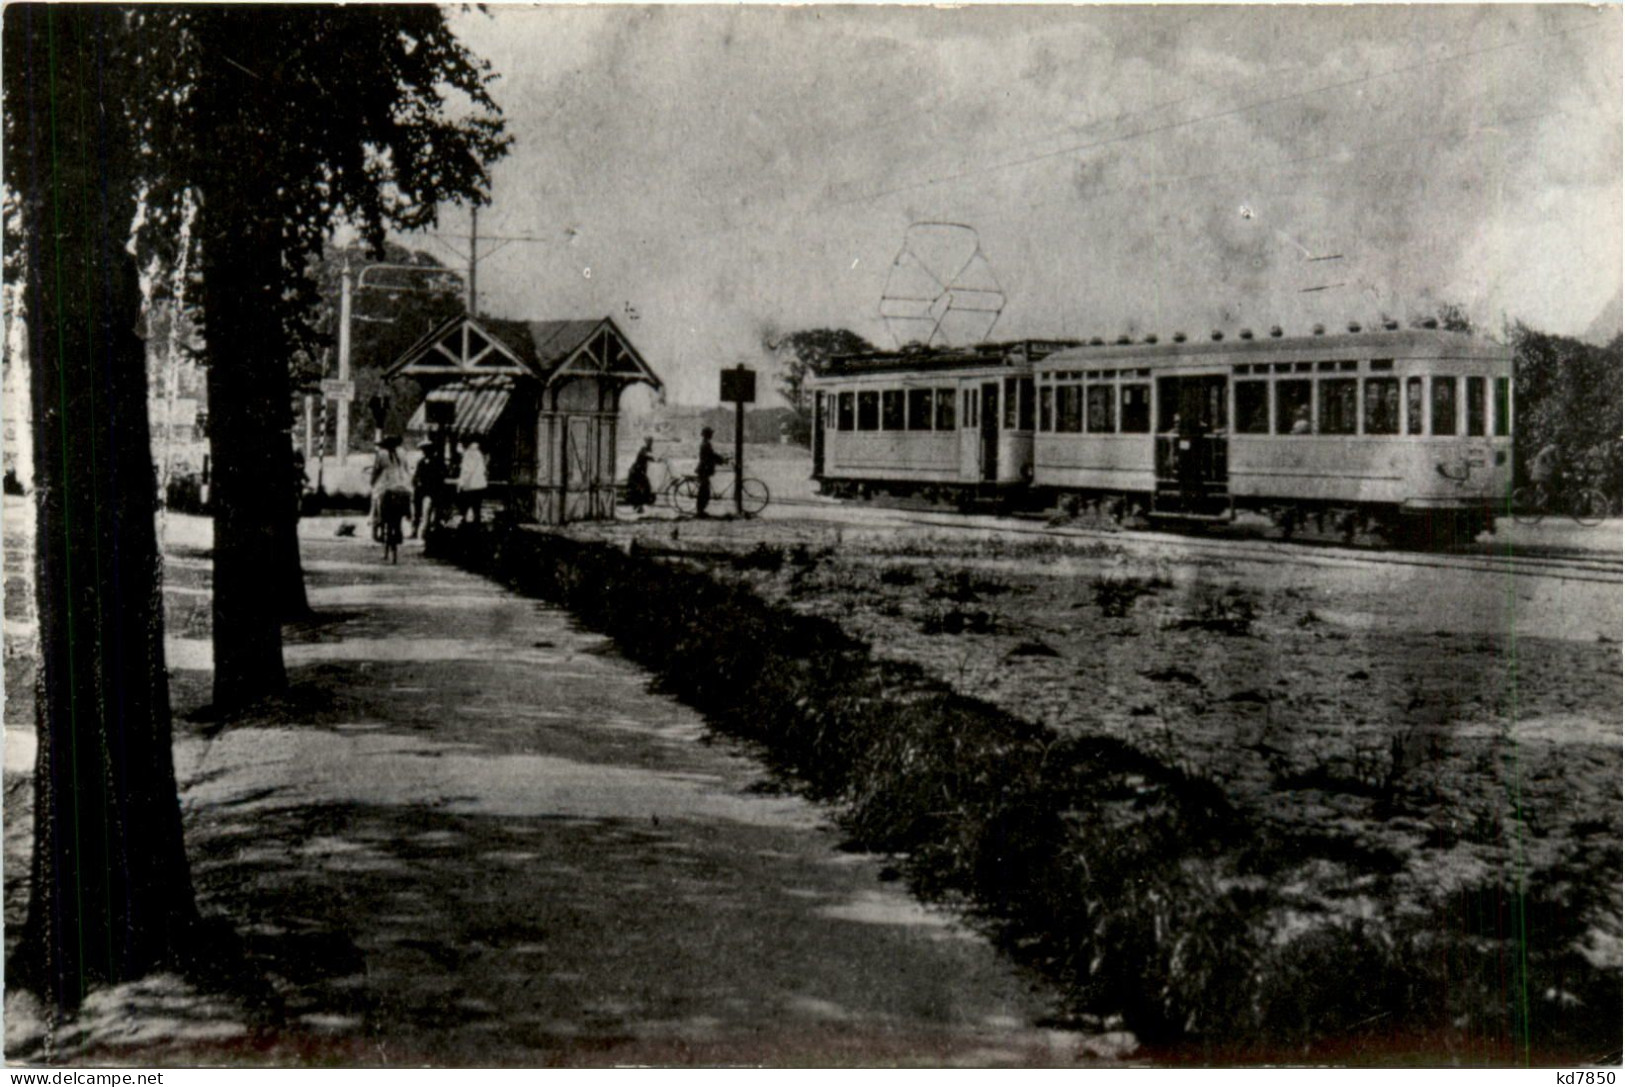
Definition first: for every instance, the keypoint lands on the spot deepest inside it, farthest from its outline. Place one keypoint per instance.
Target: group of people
(640, 491)
(427, 487)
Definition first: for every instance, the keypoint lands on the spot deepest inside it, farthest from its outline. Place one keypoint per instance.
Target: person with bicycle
(710, 461)
(392, 494)
(1556, 486)
(1546, 469)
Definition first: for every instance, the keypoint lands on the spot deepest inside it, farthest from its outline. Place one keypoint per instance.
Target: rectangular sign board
(334, 389)
(739, 386)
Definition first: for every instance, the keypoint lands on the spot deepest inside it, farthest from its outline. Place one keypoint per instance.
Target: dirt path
(474, 836)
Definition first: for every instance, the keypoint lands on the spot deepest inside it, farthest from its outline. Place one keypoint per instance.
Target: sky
(728, 174)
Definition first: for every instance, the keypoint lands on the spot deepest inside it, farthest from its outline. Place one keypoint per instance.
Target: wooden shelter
(543, 399)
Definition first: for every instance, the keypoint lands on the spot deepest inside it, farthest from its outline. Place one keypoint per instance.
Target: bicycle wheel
(1526, 506)
(1589, 507)
(685, 496)
(754, 496)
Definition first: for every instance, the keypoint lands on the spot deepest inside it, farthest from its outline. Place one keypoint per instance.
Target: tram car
(947, 424)
(1401, 431)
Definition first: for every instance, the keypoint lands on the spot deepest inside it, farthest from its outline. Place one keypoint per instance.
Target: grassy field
(1262, 811)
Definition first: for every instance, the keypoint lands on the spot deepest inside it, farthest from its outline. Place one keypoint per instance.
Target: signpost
(739, 388)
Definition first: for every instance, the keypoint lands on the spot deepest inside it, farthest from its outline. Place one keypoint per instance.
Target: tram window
(1136, 418)
(1475, 407)
(945, 409)
(1380, 365)
(1046, 408)
(1302, 367)
(891, 409)
(1283, 367)
(1382, 405)
(1413, 405)
(1252, 407)
(1026, 388)
(1339, 399)
(1069, 409)
(1444, 405)
(1503, 407)
(1010, 403)
(1326, 365)
(919, 409)
(1292, 399)
(869, 411)
(966, 413)
(1102, 409)
(843, 412)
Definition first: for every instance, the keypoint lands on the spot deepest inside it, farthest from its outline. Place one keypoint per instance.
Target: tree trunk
(248, 413)
(292, 601)
(111, 895)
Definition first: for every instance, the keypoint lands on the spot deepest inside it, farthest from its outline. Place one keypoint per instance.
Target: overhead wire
(817, 207)
(1215, 116)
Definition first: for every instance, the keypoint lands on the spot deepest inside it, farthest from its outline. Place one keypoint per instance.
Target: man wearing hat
(710, 461)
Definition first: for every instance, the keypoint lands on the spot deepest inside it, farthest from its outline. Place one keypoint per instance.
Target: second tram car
(1397, 430)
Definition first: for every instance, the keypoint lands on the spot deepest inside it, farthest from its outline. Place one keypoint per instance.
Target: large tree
(370, 114)
(114, 114)
(110, 894)
(803, 353)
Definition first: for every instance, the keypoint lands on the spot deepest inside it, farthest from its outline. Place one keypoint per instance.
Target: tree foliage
(394, 310)
(802, 354)
(276, 123)
(372, 115)
(1568, 393)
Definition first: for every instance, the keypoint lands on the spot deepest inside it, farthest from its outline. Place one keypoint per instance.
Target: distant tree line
(801, 354)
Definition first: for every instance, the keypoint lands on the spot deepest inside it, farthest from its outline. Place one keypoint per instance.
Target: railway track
(1505, 560)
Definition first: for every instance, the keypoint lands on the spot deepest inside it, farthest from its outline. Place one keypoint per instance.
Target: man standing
(710, 461)
(428, 478)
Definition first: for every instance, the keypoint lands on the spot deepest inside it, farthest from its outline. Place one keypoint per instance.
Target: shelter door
(580, 462)
(990, 432)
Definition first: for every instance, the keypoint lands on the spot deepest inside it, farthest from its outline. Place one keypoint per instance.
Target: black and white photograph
(833, 536)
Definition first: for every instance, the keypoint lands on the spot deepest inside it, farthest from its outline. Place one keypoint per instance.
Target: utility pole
(473, 260)
(343, 442)
(474, 240)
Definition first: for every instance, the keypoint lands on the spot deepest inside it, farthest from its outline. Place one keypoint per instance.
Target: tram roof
(978, 356)
(1380, 343)
(1367, 343)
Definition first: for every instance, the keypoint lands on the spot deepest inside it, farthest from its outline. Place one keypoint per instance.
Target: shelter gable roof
(544, 350)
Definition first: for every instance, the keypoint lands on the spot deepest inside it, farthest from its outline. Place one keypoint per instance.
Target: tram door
(1193, 445)
(990, 432)
(818, 434)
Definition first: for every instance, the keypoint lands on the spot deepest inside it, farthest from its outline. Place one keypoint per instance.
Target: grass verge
(1132, 885)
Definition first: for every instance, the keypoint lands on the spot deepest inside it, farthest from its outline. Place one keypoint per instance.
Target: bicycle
(684, 494)
(1532, 503)
(394, 507)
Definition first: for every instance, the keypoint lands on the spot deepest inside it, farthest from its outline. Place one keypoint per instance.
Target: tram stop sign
(739, 386)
